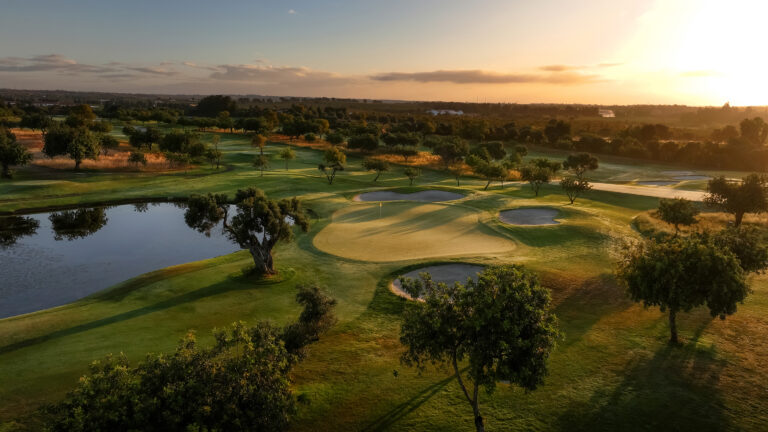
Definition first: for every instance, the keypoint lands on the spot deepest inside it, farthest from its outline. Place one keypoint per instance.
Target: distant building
(606, 113)
(445, 112)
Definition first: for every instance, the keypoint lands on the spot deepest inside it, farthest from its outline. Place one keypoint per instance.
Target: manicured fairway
(613, 370)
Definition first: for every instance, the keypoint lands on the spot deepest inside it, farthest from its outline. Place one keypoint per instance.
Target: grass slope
(612, 371)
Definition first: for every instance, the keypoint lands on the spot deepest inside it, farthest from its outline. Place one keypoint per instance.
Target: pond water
(50, 259)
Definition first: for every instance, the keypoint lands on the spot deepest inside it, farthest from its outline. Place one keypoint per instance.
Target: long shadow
(386, 420)
(189, 297)
(675, 389)
(582, 306)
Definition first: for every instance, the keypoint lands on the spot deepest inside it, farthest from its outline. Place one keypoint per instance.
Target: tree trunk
(673, 327)
(377, 176)
(739, 217)
(486, 185)
(6, 171)
(262, 261)
(77, 165)
(479, 424)
(457, 181)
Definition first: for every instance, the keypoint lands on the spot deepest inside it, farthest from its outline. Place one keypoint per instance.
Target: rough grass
(612, 371)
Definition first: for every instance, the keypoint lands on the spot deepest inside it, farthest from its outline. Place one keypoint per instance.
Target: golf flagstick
(379, 209)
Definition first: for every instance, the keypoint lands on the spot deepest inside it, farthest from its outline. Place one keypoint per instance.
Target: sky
(694, 52)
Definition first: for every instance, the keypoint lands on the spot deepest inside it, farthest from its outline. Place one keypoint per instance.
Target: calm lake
(50, 259)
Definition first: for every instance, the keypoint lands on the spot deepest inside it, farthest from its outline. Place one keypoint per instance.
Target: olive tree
(538, 171)
(258, 224)
(261, 162)
(333, 161)
(574, 187)
(377, 165)
(500, 328)
(412, 173)
(77, 143)
(580, 163)
(677, 211)
(12, 153)
(738, 198)
(680, 273)
(287, 154)
(240, 382)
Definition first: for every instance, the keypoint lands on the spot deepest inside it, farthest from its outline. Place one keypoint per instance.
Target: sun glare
(717, 51)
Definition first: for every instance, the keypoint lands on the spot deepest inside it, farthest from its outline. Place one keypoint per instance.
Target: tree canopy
(377, 165)
(257, 225)
(738, 198)
(12, 153)
(499, 326)
(334, 160)
(680, 273)
(241, 383)
(580, 163)
(677, 211)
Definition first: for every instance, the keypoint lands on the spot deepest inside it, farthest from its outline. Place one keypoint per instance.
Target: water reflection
(12, 228)
(75, 224)
(50, 259)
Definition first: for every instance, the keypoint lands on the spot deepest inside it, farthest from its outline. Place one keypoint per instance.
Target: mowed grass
(613, 370)
(399, 231)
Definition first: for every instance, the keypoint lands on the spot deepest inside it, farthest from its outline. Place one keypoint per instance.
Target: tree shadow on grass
(675, 389)
(582, 306)
(232, 283)
(388, 419)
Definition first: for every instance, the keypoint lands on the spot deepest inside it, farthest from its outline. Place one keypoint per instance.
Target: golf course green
(612, 370)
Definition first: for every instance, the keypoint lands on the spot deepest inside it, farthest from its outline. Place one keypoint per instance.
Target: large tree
(580, 163)
(12, 153)
(678, 274)
(677, 211)
(241, 382)
(574, 187)
(738, 198)
(499, 328)
(538, 171)
(287, 154)
(377, 165)
(258, 224)
(334, 160)
(77, 143)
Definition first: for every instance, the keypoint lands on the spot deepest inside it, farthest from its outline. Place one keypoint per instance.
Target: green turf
(612, 371)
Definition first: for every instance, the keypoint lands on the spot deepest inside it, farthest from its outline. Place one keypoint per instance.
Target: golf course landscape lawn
(612, 369)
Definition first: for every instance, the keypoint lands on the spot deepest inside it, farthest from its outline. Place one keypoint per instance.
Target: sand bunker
(687, 175)
(445, 273)
(421, 196)
(529, 216)
(656, 182)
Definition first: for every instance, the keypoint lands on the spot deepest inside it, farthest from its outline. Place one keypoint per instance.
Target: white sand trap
(657, 182)
(692, 177)
(445, 273)
(421, 196)
(529, 216)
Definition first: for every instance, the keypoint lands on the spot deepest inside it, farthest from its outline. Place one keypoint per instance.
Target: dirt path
(657, 191)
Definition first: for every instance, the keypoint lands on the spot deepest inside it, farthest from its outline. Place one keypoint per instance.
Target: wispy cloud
(291, 12)
(276, 74)
(558, 68)
(487, 77)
